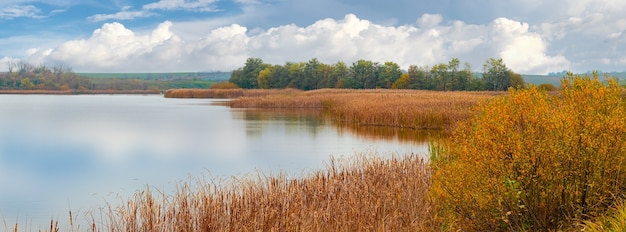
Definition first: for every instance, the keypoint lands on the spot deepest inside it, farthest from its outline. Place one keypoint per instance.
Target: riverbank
(75, 92)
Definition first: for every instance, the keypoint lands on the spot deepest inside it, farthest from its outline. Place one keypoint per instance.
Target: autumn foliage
(533, 161)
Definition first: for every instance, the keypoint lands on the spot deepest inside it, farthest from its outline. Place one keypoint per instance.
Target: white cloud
(429, 20)
(195, 5)
(523, 51)
(125, 14)
(115, 48)
(17, 11)
(147, 10)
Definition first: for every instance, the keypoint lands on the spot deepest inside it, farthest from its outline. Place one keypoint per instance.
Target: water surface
(61, 153)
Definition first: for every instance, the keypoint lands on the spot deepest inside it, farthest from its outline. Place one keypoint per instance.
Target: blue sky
(532, 36)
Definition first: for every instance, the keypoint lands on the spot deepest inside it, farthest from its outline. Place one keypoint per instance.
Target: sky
(531, 36)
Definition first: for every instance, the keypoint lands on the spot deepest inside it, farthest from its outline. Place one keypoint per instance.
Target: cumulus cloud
(115, 48)
(523, 51)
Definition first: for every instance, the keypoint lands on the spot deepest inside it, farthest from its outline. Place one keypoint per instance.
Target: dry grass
(365, 193)
(225, 93)
(416, 109)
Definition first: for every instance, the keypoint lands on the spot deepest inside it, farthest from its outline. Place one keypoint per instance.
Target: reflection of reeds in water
(363, 194)
(392, 133)
(415, 109)
(396, 108)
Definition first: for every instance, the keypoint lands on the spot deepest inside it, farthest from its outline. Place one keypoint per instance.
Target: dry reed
(226, 93)
(365, 193)
(415, 109)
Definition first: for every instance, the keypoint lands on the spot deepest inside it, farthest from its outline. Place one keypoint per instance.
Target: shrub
(547, 87)
(530, 161)
(224, 85)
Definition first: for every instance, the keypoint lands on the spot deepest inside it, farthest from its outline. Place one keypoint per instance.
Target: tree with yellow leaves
(531, 161)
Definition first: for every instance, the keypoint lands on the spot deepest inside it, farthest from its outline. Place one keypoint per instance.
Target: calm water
(78, 152)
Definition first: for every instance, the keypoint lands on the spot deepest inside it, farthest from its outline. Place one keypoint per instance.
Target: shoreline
(76, 92)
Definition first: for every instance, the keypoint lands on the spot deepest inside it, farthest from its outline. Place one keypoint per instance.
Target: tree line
(25, 76)
(365, 74)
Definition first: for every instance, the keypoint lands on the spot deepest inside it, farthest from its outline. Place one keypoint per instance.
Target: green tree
(339, 74)
(496, 75)
(296, 74)
(517, 81)
(311, 75)
(440, 77)
(27, 84)
(388, 74)
(461, 79)
(363, 75)
(264, 76)
(247, 77)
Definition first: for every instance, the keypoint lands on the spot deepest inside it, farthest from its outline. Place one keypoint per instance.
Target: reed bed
(226, 93)
(416, 109)
(365, 193)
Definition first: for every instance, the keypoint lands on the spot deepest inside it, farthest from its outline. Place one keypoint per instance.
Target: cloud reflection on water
(58, 152)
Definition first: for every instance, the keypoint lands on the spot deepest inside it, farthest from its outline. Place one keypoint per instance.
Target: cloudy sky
(532, 36)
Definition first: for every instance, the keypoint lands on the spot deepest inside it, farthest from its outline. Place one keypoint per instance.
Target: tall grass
(614, 220)
(225, 93)
(364, 193)
(416, 109)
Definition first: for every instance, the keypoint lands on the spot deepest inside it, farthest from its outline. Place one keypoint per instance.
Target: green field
(213, 76)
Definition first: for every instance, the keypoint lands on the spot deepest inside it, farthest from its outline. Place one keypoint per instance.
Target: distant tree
(440, 77)
(547, 87)
(496, 75)
(247, 77)
(517, 81)
(363, 75)
(339, 73)
(263, 79)
(402, 82)
(311, 75)
(388, 74)
(461, 79)
(10, 65)
(296, 74)
(419, 77)
(27, 84)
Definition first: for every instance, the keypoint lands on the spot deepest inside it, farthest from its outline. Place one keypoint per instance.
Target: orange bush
(530, 161)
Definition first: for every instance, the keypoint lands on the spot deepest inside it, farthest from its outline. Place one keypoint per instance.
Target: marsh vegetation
(522, 160)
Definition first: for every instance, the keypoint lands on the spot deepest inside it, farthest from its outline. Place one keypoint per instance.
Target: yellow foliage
(530, 161)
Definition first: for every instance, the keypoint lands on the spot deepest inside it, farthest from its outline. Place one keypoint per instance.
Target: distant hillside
(209, 76)
(555, 79)
(542, 79)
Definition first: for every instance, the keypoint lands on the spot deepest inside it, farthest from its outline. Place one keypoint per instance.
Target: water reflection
(293, 120)
(312, 119)
(378, 133)
(75, 152)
